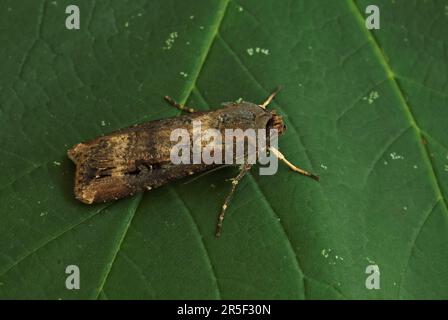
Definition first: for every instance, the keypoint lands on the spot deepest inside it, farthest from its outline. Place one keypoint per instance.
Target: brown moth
(137, 158)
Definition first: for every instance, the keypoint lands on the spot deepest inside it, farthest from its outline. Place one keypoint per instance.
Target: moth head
(276, 122)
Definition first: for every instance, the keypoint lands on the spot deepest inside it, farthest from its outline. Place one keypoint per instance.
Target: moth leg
(281, 157)
(270, 98)
(245, 168)
(177, 105)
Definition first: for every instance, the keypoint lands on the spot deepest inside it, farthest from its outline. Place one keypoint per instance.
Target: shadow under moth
(138, 158)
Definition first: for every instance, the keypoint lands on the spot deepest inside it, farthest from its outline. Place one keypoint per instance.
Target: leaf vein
(413, 242)
(55, 237)
(108, 268)
(201, 241)
(282, 227)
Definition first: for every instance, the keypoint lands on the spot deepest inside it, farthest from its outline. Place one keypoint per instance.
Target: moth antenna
(177, 105)
(280, 156)
(270, 98)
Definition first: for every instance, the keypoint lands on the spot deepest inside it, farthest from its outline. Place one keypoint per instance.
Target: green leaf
(366, 110)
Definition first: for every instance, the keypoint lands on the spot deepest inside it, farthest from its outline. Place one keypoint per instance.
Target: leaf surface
(366, 110)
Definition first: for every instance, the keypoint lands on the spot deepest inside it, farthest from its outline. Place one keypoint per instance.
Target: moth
(137, 158)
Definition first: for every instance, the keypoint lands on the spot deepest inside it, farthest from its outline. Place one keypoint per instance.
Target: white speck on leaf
(170, 40)
(126, 24)
(370, 260)
(43, 213)
(323, 166)
(56, 163)
(446, 167)
(396, 156)
(201, 27)
(103, 123)
(183, 74)
(325, 252)
(373, 95)
(258, 50)
(240, 9)
(415, 166)
(191, 17)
